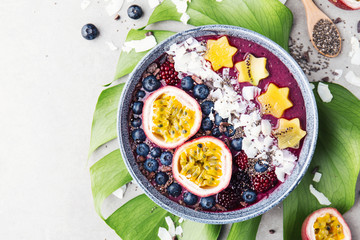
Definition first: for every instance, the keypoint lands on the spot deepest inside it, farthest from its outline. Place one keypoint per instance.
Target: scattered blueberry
(249, 196)
(174, 190)
(150, 83)
(216, 132)
(166, 158)
(137, 107)
(207, 202)
(151, 165)
(187, 83)
(236, 144)
(230, 131)
(140, 94)
(155, 152)
(206, 124)
(138, 134)
(201, 91)
(142, 149)
(189, 198)
(206, 107)
(89, 31)
(136, 122)
(219, 119)
(161, 178)
(134, 12)
(260, 166)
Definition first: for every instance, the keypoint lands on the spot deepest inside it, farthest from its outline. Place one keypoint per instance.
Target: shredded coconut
(323, 200)
(352, 78)
(120, 192)
(111, 45)
(317, 177)
(178, 230)
(184, 18)
(339, 73)
(324, 92)
(163, 234)
(140, 45)
(153, 3)
(171, 226)
(114, 6)
(355, 51)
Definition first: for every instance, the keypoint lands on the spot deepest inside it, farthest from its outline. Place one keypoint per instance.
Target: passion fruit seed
(201, 164)
(328, 227)
(171, 119)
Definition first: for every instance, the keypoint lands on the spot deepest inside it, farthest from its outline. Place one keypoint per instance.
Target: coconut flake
(323, 200)
(280, 174)
(84, 4)
(355, 46)
(153, 3)
(111, 45)
(120, 192)
(184, 18)
(249, 92)
(352, 78)
(140, 45)
(339, 73)
(312, 86)
(317, 177)
(265, 127)
(324, 92)
(178, 230)
(163, 234)
(181, 5)
(181, 220)
(171, 226)
(282, 1)
(114, 6)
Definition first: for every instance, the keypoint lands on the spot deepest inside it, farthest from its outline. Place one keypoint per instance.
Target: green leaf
(337, 156)
(107, 175)
(104, 121)
(139, 218)
(244, 230)
(194, 231)
(128, 61)
(267, 17)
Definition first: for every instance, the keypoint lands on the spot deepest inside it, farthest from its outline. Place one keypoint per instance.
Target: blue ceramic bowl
(280, 193)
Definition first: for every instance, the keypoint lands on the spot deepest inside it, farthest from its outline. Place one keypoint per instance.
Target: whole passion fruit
(170, 117)
(325, 223)
(203, 166)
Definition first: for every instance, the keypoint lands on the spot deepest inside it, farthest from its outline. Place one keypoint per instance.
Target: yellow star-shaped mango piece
(289, 133)
(252, 69)
(275, 100)
(220, 53)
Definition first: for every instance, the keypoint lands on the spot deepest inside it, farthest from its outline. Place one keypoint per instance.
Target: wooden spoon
(329, 44)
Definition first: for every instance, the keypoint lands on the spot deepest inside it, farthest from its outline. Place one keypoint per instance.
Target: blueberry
(134, 12)
(207, 202)
(187, 83)
(166, 158)
(137, 107)
(161, 178)
(206, 124)
(216, 132)
(249, 196)
(174, 190)
(236, 144)
(219, 119)
(89, 31)
(155, 152)
(136, 122)
(140, 94)
(142, 149)
(150, 83)
(230, 131)
(201, 91)
(151, 165)
(206, 107)
(138, 134)
(261, 166)
(189, 198)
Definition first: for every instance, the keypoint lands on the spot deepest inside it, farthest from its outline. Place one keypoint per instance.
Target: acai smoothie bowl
(217, 124)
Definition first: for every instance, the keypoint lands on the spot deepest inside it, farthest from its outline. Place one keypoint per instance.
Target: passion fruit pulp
(203, 166)
(325, 224)
(170, 117)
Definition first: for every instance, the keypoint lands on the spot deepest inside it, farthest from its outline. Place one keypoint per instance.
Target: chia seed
(326, 37)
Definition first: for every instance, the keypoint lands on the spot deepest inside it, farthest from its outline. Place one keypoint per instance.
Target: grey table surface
(50, 81)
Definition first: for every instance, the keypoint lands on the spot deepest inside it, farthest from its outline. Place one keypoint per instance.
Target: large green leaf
(337, 156)
(107, 175)
(128, 61)
(104, 121)
(194, 231)
(244, 230)
(267, 17)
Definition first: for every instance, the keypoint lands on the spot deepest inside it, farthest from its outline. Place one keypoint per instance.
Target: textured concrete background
(50, 81)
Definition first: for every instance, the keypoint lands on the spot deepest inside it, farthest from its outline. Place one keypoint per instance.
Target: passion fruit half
(325, 223)
(170, 117)
(203, 166)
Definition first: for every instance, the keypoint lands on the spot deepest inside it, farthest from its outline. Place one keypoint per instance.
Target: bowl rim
(266, 203)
